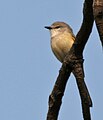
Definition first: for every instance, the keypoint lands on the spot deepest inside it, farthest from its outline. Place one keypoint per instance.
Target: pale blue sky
(28, 69)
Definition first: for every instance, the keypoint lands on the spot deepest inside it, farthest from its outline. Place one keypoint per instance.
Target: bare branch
(55, 99)
(98, 16)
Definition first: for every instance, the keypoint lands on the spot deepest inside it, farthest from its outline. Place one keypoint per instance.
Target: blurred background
(28, 68)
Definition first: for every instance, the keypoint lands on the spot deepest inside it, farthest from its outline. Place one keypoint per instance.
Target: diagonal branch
(76, 53)
(98, 16)
(84, 94)
(55, 99)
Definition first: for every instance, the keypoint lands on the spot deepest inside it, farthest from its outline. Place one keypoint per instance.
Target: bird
(62, 39)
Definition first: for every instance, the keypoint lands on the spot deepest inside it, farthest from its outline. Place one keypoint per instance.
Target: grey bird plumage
(62, 39)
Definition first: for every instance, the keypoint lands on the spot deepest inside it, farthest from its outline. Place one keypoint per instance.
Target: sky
(28, 68)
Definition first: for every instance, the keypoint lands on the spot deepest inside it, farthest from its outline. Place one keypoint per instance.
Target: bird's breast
(61, 44)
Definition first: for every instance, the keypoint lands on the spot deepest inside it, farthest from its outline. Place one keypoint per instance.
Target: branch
(55, 99)
(73, 62)
(98, 16)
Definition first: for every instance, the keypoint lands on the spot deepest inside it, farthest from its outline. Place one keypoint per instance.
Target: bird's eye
(57, 27)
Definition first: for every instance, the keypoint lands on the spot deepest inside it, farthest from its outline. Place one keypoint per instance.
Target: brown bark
(98, 17)
(73, 62)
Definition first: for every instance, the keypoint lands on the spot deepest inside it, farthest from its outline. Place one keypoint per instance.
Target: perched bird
(62, 39)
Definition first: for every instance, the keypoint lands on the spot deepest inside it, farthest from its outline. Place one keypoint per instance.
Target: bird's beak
(48, 27)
